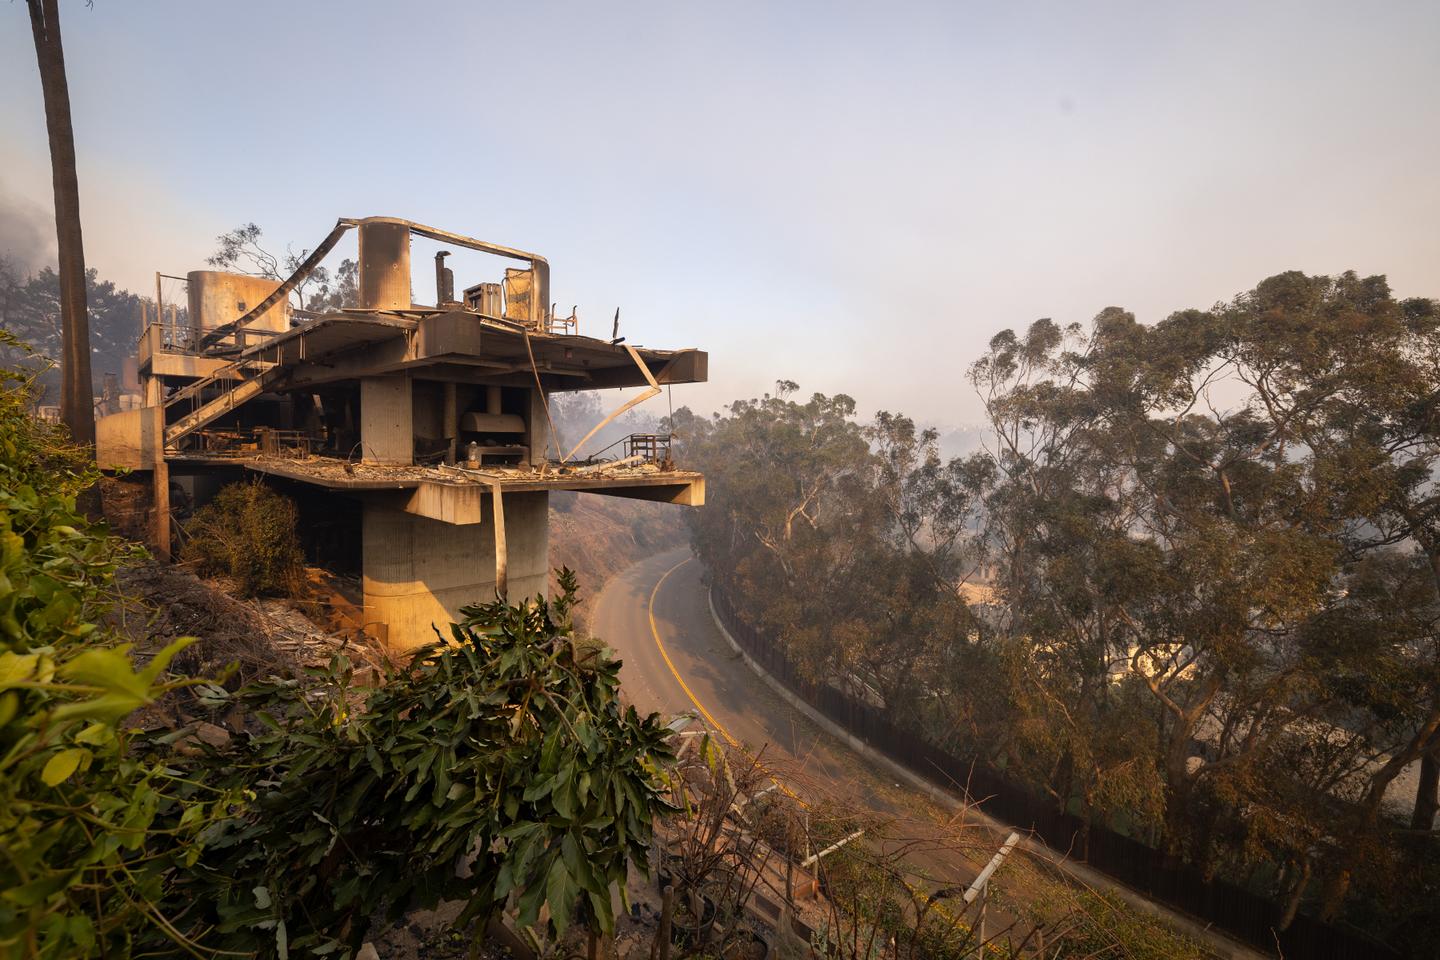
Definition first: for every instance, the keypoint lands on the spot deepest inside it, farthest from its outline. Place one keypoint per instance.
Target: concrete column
(387, 423)
(419, 572)
(160, 475)
(450, 420)
(538, 428)
(385, 266)
(154, 391)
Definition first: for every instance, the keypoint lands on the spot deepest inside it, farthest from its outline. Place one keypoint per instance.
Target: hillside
(599, 536)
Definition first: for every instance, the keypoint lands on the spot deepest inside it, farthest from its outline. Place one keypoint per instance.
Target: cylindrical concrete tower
(218, 298)
(385, 266)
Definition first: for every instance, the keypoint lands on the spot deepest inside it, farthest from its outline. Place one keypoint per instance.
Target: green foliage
(508, 746)
(83, 854)
(52, 568)
(248, 534)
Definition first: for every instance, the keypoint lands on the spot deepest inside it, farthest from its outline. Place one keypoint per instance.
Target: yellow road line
(655, 632)
(660, 645)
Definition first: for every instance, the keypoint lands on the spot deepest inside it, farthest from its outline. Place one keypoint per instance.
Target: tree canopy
(1191, 588)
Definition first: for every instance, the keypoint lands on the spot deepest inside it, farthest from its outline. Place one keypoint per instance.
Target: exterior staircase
(254, 377)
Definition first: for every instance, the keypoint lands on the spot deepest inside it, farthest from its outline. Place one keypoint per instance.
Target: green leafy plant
(505, 753)
(87, 830)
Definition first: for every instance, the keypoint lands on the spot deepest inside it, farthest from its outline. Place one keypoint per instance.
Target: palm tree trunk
(77, 392)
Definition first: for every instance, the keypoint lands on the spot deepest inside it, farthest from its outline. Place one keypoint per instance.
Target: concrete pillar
(160, 534)
(450, 420)
(154, 391)
(385, 266)
(387, 423)
(419, 572)
(538, 425)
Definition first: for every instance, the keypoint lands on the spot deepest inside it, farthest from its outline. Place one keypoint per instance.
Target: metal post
(502, 559)
(984, 899)
(451, 418)
(161, 529)
(444, 280)
(661, 949)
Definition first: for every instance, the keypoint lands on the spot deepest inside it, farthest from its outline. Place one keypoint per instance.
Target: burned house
(419, 434)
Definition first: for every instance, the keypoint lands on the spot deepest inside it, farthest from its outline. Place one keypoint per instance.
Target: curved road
(681, 663)
(656, 615)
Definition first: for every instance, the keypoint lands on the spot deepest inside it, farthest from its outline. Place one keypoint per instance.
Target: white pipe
(830, 849)
(990, 868)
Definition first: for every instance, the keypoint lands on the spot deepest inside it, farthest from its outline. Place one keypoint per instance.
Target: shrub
(247, 533)
(509, 746)
(82, 855)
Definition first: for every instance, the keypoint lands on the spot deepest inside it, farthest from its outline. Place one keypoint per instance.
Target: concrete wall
(428, 403)
(131, 440)
(419, 571)
(387, 426)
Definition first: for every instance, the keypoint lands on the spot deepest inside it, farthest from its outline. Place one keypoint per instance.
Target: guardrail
(1244, 915)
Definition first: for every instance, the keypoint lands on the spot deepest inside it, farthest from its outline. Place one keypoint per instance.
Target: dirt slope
(598, 537)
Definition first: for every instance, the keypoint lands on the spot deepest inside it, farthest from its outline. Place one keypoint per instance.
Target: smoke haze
(27, 233)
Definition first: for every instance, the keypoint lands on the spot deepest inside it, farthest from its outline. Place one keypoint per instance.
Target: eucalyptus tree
(777, 474)
(1160, 518)
(241, 250)
(847, 542)
(1362, 389)
(902, 617)
(1067, 565)
(1201, 509)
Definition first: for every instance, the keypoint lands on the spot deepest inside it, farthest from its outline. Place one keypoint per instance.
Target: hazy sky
(855, 197)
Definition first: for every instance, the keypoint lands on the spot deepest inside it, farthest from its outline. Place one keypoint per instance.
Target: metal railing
(648, 446)
(652, 447)
(175, 336)
(562, 326)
